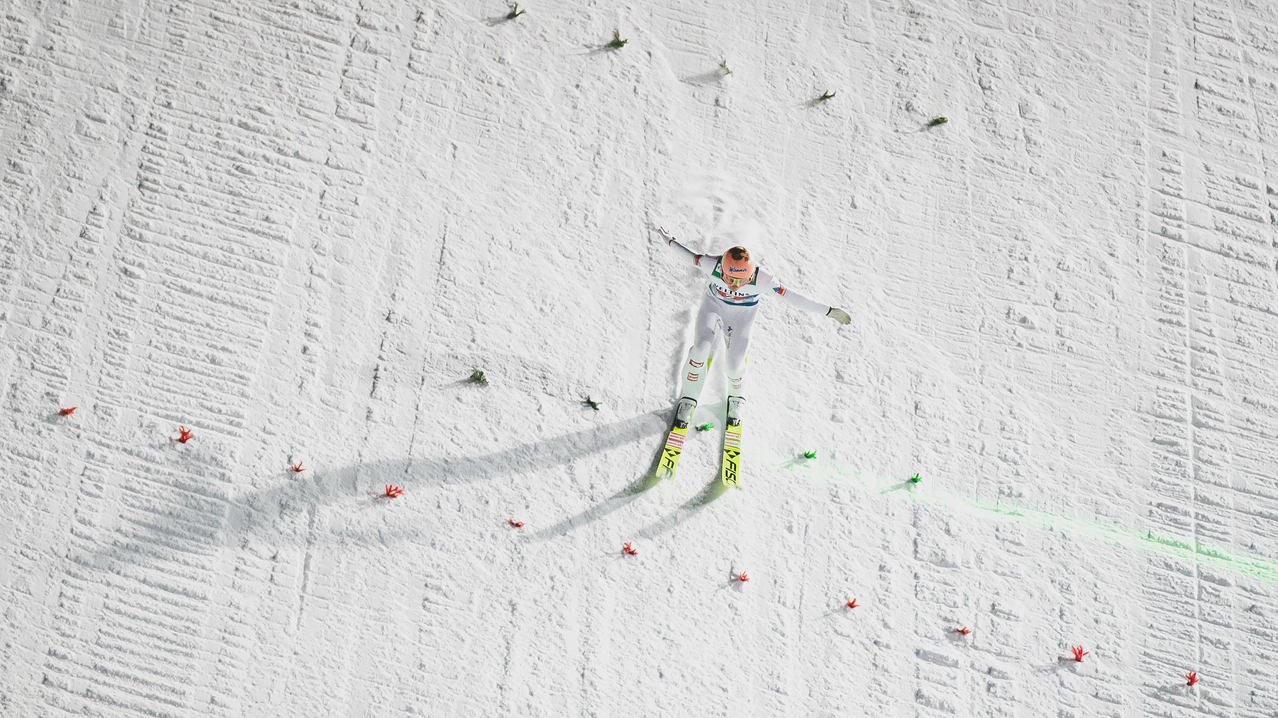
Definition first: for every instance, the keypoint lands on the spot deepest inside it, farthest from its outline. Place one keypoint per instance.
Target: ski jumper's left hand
(839, 315)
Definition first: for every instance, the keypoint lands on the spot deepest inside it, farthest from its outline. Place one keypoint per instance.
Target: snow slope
(295, 227)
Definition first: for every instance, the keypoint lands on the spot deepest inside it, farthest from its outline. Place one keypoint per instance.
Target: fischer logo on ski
(731, 454)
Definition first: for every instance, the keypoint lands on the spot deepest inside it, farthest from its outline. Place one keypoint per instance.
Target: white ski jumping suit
(729, 313)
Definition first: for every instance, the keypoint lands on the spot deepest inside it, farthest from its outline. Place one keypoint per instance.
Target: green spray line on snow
(928, 493)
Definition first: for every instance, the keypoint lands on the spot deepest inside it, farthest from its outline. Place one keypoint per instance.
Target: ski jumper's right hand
(839, 315)
(703, 262)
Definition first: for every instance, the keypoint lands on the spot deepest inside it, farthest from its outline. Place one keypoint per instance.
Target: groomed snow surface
(295, 228)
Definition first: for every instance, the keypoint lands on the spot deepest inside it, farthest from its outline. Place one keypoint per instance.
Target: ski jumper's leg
(737, 341)
(706, 331)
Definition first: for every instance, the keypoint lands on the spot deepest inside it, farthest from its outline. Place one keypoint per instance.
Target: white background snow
(295, 227)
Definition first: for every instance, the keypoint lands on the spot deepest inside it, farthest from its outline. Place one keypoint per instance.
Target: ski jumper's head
(737, 267)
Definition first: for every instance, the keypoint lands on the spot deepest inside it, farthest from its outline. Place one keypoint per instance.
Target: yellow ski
(674, 440)
(731, 453)
(730, 474)
(671, 451)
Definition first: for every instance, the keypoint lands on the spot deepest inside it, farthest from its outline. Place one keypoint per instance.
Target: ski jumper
(729, 313)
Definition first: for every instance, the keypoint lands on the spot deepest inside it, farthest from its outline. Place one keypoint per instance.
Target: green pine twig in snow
(617, 43)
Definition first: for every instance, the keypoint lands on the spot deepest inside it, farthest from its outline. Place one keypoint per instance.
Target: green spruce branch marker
(705, 426)
(916, 479)
(590, 403)
(514, 11)
(809, 454)
(825, 96)
(937, 121)
(723, 65)
(617, 43)
(477, 377)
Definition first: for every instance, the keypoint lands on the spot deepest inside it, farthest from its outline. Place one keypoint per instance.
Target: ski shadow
(687, 510)
(630, 492)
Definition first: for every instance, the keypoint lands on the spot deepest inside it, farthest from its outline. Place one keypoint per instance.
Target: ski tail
(670, 453)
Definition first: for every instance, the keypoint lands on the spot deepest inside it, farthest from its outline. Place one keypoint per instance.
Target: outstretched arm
(798, 301)
(703, 262)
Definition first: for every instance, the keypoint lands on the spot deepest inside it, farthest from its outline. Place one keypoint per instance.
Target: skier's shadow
(275, 510)
(327, 486)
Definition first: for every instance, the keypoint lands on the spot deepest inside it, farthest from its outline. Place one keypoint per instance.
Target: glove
(839, 315)
(665, 235)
